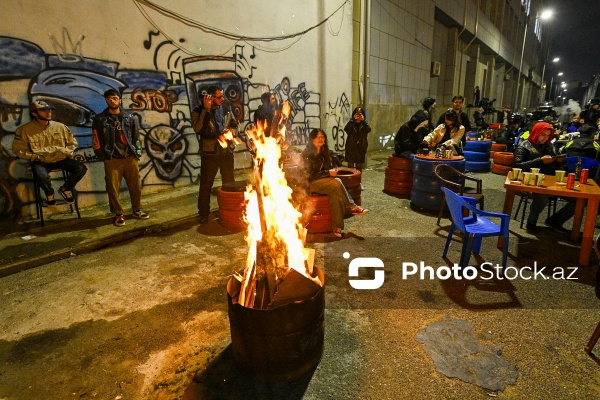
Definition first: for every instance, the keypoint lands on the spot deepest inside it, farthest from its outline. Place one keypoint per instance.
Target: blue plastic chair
(475, 226)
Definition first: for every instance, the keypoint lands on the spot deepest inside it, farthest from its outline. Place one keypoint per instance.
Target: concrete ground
(140, 312)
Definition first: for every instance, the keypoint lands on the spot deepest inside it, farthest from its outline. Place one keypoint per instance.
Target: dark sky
(575, 30)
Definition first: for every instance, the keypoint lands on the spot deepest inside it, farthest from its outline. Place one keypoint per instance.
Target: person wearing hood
(427, 111)
(357, 130)
(537, 151)
(410, 135)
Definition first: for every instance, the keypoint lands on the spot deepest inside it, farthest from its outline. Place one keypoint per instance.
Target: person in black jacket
(409, 137)
(357, 130)
(537, 151)
(584, 145)
(116, 141)
(457, 103)
(211, 120)
(322, 179)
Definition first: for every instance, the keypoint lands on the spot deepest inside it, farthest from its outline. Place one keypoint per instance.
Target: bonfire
(275, 236)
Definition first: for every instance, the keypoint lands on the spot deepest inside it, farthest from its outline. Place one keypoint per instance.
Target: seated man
(584, 145)
(48, 145)
(410, 135)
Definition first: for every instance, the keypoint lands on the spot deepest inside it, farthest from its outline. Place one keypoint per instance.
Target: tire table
(426, 192)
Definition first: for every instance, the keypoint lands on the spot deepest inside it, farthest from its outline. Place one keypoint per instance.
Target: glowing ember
(275, 234)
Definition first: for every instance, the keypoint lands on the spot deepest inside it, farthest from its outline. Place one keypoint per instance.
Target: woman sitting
(409, 137)
(449, 134)
(322, 179)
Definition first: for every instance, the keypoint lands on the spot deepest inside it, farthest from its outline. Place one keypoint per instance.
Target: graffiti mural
(162, 98)
(340, 113)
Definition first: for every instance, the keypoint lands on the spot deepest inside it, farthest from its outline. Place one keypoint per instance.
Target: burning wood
(275, 234)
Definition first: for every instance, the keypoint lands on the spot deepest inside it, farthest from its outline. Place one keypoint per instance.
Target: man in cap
(48, 145)
(116, 141)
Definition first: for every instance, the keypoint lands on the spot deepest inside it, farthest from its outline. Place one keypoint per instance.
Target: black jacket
(104, 134)
(356, 141)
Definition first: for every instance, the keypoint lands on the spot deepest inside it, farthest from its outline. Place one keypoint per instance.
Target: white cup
(560, 175)
(516, 174)
(527, 178)
(539, 179)
(535, 171)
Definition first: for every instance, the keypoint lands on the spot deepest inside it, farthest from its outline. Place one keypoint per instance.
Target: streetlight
(543, 15)
(551, 81)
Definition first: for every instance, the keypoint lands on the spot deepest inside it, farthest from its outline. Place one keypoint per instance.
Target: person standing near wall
(116, 141)
(48, 145)
(476, 96)
(208, 121)
(357, 130)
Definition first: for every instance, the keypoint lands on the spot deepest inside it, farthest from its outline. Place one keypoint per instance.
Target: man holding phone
(211, 120)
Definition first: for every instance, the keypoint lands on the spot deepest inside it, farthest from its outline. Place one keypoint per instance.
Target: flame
(281, 246)
(226, 137)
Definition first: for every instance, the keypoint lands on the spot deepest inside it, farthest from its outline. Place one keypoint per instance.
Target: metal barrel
(280, 344)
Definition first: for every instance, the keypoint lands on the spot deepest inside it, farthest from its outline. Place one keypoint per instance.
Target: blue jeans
(41, 171)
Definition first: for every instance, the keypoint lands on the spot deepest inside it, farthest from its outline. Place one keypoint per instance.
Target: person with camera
(357, 130)
(211, 120)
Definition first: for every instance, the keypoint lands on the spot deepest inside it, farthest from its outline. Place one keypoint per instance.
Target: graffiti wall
(71, 53)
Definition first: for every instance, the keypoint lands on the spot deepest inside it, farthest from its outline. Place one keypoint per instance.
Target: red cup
(570, 181)
(584, 175)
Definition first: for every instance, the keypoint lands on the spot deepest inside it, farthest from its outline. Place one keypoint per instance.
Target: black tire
(398, 175)
(427, 184)
(478, 166)
(478, 145)
(400, 163)
(397, 188)
(426, 201)
(476, 156)
(349, 176)
(427, 167)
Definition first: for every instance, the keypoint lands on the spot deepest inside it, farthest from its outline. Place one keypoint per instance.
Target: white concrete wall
(69, 52)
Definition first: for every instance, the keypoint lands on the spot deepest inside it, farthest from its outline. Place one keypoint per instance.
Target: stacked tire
(496, 147)
(477, 154)
(232, 204)
(503, 162)
(351, 179)
(319, 220)
(426, 192)
(398, 176)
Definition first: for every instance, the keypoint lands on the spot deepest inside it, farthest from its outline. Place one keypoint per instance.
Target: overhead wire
(229, 35)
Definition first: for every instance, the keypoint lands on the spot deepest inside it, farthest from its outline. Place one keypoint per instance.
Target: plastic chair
(475, 226)
(39, 197)
(454, 180)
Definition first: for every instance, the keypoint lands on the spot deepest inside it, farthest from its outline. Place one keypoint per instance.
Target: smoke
(574, 107)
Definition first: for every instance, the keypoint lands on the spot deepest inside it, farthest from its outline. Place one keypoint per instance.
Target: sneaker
(358, 210)
(66, 194)
(338, 232)
(50, 201)
(555, 227)
(119, 220)
(140, 214)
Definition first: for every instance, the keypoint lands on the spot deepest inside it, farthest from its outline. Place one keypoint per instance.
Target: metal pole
(517, 106)
(367, 48)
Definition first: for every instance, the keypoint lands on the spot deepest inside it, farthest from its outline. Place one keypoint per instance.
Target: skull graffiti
(167, 148)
